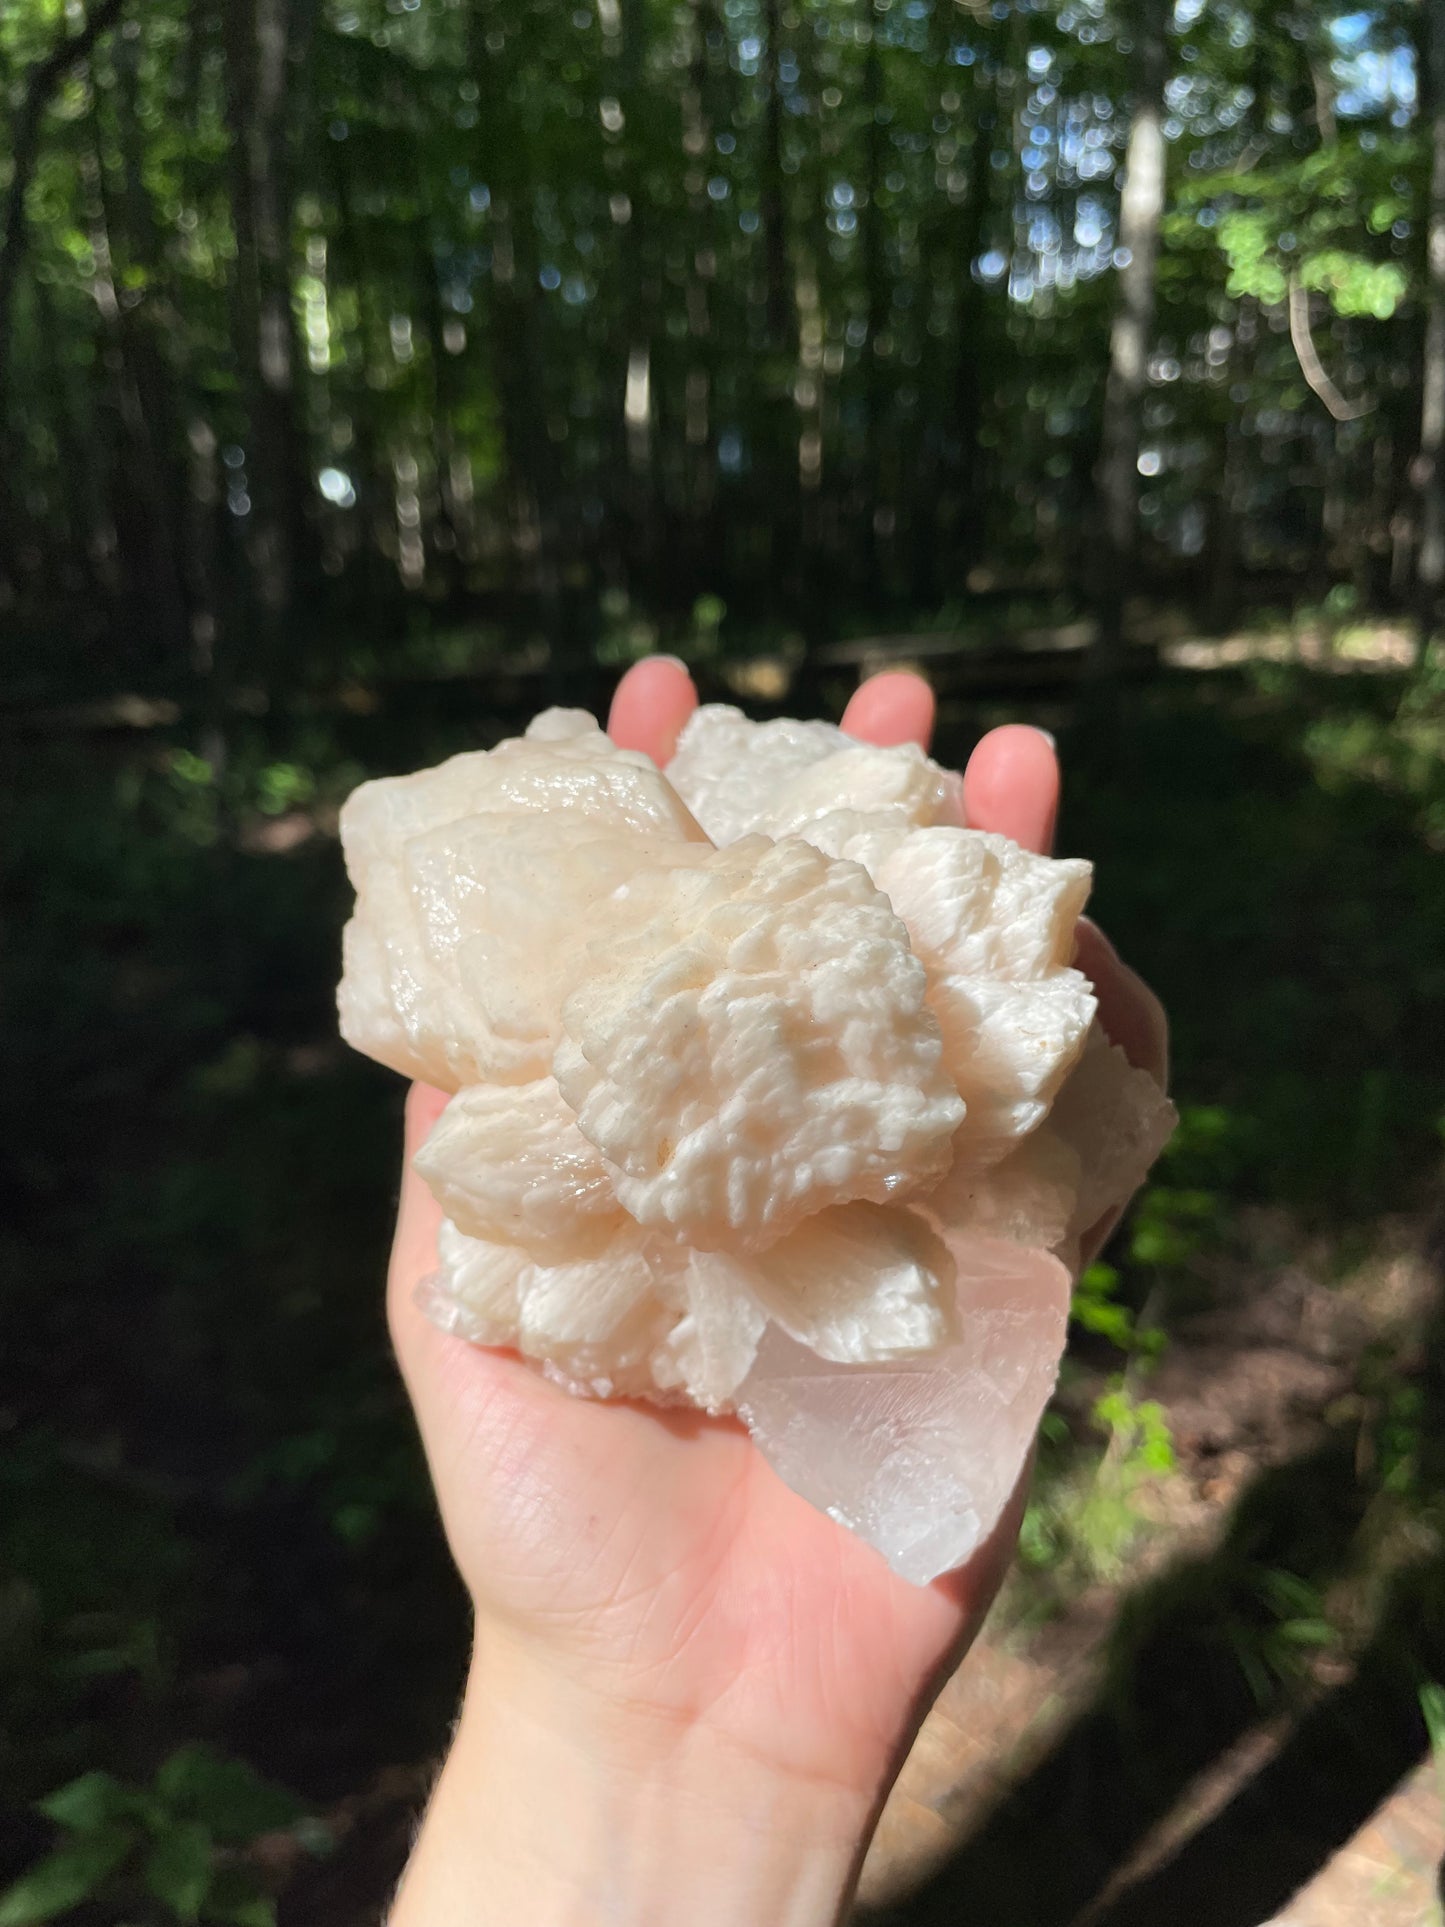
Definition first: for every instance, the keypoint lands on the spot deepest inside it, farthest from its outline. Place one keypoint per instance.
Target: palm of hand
(654, 1559)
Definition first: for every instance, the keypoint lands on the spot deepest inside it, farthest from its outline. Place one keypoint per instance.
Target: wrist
(557, 1807)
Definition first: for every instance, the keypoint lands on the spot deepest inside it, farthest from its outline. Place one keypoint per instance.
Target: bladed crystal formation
(775, 1092)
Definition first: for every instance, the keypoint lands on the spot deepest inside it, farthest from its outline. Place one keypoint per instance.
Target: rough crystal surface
(775, 1091)
(760, 1049)
(725, 765)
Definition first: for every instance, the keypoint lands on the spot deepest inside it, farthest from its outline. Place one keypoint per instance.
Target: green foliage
(1138, 1450)
(73, 1873)
(1168, 1225)
(1279, 1631)
(226, 1796)
(1432, 1707)
(170, 1836)
(1138, 1434)
(1097, 1308)
(1082, 1528)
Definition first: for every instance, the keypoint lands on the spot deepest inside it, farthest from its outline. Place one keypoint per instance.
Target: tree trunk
(967, 371)
(775, 234)
(701, 468)
(1140, 209)
(879, 297)
(1430, 465)
(90, 528)
(262, 41)
(515, 329)
(153, 340)
(41, 85)
(640, 256)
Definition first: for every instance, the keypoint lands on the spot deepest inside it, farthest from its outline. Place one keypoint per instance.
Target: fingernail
(676, 661)
(1048, 738)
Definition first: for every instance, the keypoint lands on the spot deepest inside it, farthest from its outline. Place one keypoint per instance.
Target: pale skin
(689, 1692)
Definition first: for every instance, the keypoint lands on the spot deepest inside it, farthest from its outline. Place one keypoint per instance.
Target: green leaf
(236, 1900)
(64, 1878)
(257, 1911)
(178, 1868)
(227, 1796)
(93, 1801)
(1432, 1705)
(1308, 1632)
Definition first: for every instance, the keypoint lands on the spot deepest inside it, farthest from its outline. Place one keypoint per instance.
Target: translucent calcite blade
(920, 1458)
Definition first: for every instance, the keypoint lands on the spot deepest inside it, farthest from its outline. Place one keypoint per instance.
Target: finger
(1011, 786)
(891, 708)
(651, 704)
(1131, 1015)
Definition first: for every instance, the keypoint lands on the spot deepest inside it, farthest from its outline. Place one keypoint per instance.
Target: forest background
(371, 374)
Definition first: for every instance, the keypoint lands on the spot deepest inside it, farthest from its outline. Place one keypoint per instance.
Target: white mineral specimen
(776, 1093)
(759, 1048)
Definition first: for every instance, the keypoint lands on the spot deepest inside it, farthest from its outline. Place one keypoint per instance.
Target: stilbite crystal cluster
(775, 1092)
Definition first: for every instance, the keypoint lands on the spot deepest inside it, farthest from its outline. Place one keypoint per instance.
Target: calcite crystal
(775, 1092)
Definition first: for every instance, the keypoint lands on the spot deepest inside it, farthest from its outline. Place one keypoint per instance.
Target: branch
(44, 80)
(1311, 367)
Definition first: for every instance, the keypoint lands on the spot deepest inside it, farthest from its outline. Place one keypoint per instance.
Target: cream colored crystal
(775, 1091)
(724, 764)
(472, 880)
(758, 1049)
(507, 1163)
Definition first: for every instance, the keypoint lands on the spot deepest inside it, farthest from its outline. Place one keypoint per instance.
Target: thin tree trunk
(1140, 209)
(365, 463)
(643, 390)
(968, 349)
(701, 468)
(1225, 546)
(1430, 465)
(262, 40)
(90, 529)
(42, 84)
(152, 551)
(153, 341)
(515, 324)
(878, 294)
(775, 234)
(40, 89)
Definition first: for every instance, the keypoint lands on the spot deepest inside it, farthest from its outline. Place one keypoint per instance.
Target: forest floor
(1213, 1667)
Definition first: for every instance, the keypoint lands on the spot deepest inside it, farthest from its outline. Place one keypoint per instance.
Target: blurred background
(372, 374)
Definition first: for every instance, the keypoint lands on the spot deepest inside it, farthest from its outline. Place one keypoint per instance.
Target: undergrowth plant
(171, 1851)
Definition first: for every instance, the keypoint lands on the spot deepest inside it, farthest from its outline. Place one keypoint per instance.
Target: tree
(265, 46)
(1141, 207)
(38, 91)
(463, 315)
(1430, 464)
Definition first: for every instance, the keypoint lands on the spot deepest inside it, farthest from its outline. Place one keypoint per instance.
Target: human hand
(689, 1690)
